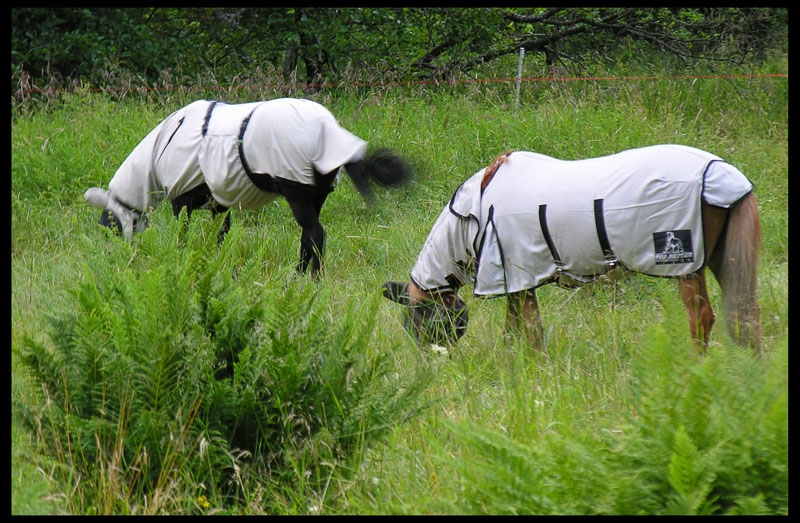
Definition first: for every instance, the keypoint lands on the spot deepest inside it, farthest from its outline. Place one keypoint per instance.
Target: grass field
(619, 415)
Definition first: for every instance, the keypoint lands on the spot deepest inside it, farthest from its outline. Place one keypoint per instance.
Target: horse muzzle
(431, 321)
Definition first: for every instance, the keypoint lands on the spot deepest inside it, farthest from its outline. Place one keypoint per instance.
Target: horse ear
(396, 291)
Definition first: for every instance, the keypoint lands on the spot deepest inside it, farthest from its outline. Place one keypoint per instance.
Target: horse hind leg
(694, 294)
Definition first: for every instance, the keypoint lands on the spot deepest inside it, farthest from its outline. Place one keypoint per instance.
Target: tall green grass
(172, 375)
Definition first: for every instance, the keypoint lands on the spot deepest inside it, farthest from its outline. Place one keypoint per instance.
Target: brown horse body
(731, 244)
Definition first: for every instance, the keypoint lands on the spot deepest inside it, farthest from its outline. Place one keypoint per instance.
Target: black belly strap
(602, 234)
(263, 181)
(548, 239)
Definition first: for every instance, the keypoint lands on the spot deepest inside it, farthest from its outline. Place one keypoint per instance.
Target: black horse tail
(381, 166)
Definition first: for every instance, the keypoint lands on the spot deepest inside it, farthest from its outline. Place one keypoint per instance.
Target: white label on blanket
(673, 247)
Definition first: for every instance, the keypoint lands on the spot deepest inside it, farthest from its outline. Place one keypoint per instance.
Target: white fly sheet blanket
(541, 219)
(215, 143)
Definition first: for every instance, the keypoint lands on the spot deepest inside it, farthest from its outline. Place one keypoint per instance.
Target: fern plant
(707, 434)
(173, 369)
(703, 435)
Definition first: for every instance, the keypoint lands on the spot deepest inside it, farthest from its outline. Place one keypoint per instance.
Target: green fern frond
(504, 477)
(689, 477)
(754, 506)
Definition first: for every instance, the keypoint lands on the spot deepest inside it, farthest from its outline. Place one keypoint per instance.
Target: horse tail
(736, 264)
(381, 166)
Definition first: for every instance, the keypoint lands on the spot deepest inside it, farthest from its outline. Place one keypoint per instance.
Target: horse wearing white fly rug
(529, 219)
(243, 156)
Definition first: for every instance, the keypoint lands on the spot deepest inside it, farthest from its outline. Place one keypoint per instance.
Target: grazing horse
(528, 220)
(242, 156)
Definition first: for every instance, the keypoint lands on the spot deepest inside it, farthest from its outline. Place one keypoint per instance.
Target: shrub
(187, 372)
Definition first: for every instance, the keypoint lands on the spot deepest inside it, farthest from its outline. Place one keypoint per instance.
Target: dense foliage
(59, 47)
(170, 370)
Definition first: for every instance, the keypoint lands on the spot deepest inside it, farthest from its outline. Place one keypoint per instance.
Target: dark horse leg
(306, 203)
(312, 239)
(197, 198)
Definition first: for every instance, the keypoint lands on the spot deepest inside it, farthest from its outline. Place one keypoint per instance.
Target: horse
(219, 156)
(528, 220)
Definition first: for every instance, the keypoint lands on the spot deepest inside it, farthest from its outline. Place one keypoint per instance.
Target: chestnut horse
(528, 220)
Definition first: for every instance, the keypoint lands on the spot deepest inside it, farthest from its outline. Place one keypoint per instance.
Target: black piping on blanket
(491, 228)
(208, 118)
(180, 123)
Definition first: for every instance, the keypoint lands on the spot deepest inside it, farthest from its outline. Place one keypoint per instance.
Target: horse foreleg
(524, 317)
(197, 198)
(698, 306)
(312, 242)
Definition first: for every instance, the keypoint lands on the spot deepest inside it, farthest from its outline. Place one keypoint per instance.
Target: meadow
(172, 375)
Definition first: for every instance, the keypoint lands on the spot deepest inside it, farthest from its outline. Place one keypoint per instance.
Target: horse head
(431, 317)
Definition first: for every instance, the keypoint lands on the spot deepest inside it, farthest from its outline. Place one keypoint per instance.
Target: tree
(316, 45)
(567, 35)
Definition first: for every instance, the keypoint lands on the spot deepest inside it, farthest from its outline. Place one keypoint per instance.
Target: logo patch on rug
(673, 247)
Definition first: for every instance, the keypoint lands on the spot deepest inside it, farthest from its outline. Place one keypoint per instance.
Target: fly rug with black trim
(242, 156)
(528, 220)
